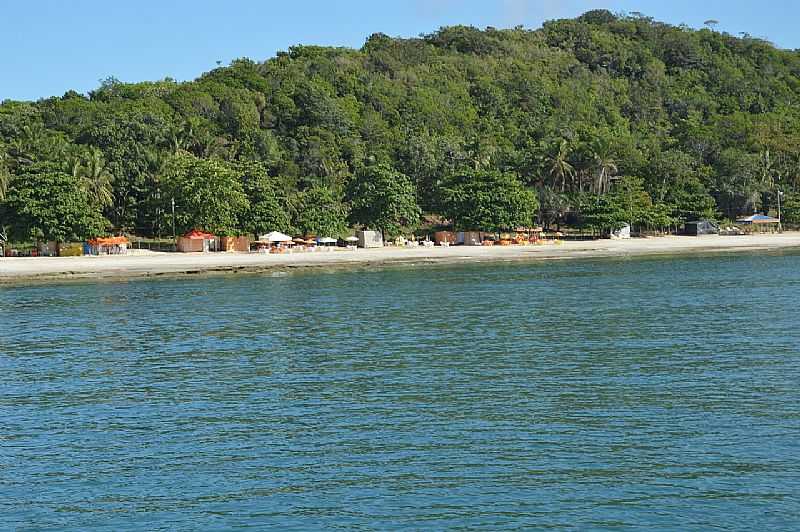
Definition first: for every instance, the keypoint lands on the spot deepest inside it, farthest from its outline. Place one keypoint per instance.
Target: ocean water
(635, 394)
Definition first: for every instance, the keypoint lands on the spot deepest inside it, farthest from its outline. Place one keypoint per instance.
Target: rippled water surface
(658, 393)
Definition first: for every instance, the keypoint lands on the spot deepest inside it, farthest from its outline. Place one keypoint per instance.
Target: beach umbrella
(275, 236)
(326, 240)
(352, 239)
(299, 240)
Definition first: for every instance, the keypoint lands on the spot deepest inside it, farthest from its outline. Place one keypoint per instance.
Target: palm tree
(5, 180)
(157, 161)
(183, 137)
(73, 160)
(96, 176)
(605, 166)
(767, 183)
(558, 165)
(5, 172)
(26, 143)
(553, 207)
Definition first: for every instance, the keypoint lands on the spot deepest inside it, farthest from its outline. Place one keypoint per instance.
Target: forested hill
(704, 123)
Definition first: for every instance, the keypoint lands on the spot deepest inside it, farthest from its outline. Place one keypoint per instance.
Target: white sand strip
(21, 269)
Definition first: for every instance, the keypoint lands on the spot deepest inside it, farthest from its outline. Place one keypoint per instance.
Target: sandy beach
(145, 264)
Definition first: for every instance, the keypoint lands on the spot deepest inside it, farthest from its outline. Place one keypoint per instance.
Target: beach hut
(701, 227)
(113, 245)
(59, 249)
(235, 244)
(622, 233)
(759, 222)
(326, 242)
(444, 238)
(196, 241)
(471, 238)
(369, 239)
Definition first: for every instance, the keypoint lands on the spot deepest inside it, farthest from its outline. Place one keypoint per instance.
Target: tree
(489, 201)
(154, 205)
(553, 206)
(208, 195)
(383, 198)
(627, 203)
(5, 176)
(268, 206)
(690, 201)
(46, 203)
(603, 214)
(604, 164)
(96, 177)
(558, 166)
(790, 209)
(574, 102)
(320, 211)
(637, 206)
(598, 16)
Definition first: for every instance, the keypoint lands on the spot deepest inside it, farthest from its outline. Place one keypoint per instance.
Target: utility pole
(174, 234)
(630, 206)
(780, 229)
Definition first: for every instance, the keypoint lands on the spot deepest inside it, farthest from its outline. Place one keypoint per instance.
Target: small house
(235, 244)
(623, 233)
(447, 238)
(759, 222)
(471, 238)
(701, 227)
(196, 241)
(53, 248)
(369, 239)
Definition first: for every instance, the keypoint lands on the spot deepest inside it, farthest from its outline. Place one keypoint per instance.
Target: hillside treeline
(590, 122)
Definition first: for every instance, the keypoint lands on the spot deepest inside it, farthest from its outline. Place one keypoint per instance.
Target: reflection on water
(646, 393)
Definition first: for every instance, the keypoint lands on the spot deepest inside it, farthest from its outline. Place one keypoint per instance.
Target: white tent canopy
(275, 236)
(326, 240)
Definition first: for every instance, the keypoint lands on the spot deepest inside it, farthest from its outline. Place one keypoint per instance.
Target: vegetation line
(592, 122)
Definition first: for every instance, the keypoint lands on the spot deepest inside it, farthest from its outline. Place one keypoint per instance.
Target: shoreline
(149, 265)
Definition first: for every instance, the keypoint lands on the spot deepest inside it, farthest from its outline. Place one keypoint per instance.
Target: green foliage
(208, 194)
(790, 209)
(698, 115)
(627, 203)
(690, 201)
(383, 198)
(489, 201)
(320, 211)
(603, 214)
(45, 203)
(267, 205)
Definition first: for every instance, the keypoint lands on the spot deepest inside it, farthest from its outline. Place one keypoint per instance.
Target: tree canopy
(708, 121)
(207, 194)
(320, 211)
(384, 199)
(488, 200)
(267, 208)
(45, 203)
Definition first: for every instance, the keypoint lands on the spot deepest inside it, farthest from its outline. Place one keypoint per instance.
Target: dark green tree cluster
(463, 123)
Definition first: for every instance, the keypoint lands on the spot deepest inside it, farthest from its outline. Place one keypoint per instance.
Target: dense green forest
(588, 122)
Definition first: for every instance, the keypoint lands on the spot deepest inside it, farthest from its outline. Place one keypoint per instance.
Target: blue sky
(51, 46)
